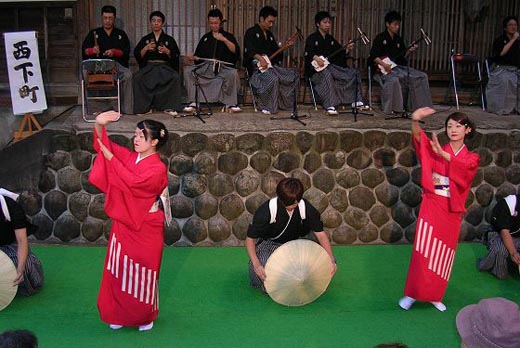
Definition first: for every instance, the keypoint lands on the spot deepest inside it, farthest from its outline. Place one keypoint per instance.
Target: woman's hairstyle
(267, 11)
(507, 19)
(321, 16)
(289, 191)
(464, 120)
(108, 9)
(157, 14)
(392, 16)
(154, 130)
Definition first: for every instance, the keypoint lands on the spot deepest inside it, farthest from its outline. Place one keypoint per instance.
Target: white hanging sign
(25, 77)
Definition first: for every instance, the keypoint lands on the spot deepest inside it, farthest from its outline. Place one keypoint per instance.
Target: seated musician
(275, 87)
(157, 84)
(398, 77)
(337, 84)
(502, 91)
(109, 42)
(219, 81)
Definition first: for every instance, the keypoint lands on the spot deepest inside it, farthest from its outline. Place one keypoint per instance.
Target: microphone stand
(197, 113)
(294, 114)
(354, 109)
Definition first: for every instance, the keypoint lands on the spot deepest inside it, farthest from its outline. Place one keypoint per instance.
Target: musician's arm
(230, 45)
(509, 44)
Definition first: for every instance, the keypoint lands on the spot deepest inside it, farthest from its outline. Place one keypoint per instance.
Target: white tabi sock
(439, 305)
(406, 302)
(146, 327)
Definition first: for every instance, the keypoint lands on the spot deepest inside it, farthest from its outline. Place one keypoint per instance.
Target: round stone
(331, 218)
(403, 214)
(356, 218)
(334, 160)
(231, 206)
(467, 232)
(371, 177)
(513, 174)
(172, 232)
(247, 182)
(218, 228)
(387, 194)
(85, 141)
(407, 158)
(193, 143)
(250, 143)
(64, 142)
(409, 232)
(384, 157)
(416, 175)
(222, 142)
(232, 162)
(338, 199)
(220, 184)
(195, 230)
(107, 227)
(286, 162)
(206, 206)
(469, 199)
(399, 140)
(181, 164)
(269, 183)
(174, 184)
(317, 198)
(205, 163)
(261, 161)
(67, 228)
(359, 159)
(173, 145)
(97, 207)
(350, 140)
(303, 177)
(411, 195)
(374, 139)
(87, 186)
(47, 181)
(241, 226)
(485, 157)
(255, 201)
(514, 140)
(484, 195)
(398, 176)
(504, 158)
(81, 159)
(55, 203)
(495, 141)
(312, 162)
(323, 180)
(278, 142)
(361, 197)
(475, 141)
(181, 207)
(347, 178)
(379, 215)
(474, 215)
(391, 233)
(78, 205)
(479, 177)
(92, 229)
(193, 185)
(45, 226)
(31, 202)
(326, 141)
(494, 175)
(57, 160)
(368, 234)
(69, 180)
(121, 140)
(505, 190)
(344, 235)
(304, 141)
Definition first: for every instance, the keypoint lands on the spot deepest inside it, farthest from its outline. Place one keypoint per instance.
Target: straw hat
(7, 277)
(297, 273)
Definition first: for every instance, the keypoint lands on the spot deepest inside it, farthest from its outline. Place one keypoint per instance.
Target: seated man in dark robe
(275, 87)
(502, 90)
(13, 242)
(282, 219)
(398, 78)
(157, 84)
(218, 81)
(109, 42)
(336, 84)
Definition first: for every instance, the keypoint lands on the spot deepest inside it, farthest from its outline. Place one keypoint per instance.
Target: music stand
(198, 110)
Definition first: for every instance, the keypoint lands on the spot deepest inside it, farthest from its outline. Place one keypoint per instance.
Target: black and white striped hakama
(503, 90)
(275, 88)
(496, 261)
(337, 86)
(264, 249)
(221, 87)
(33, 275)
(404, 81)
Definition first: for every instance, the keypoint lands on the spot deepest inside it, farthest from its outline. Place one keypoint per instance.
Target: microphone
(425, 37)
(363, 37)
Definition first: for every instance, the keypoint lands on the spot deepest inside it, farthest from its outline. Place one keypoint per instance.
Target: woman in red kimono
(446, 176)
(133, 183)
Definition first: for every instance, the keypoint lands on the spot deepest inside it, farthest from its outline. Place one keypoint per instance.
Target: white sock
(439, 305)
(146, 327)
(406, 302)
(115, 326)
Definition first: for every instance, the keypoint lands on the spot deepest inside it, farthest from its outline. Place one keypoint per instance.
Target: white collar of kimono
(459, 150)
(511, 203)
(3, 203)
(139, 158)
(273, 208)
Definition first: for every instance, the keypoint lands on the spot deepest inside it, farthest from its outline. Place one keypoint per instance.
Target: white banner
(25, 77)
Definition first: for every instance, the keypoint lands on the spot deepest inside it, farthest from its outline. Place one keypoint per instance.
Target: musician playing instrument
(275, 87)
(109, 42)
(401, 78)
(336, 84)
(219, 80)
(502, 90)
(157, 85)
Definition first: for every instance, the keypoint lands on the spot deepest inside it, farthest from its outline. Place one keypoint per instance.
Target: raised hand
(421, 113)
(106, 117)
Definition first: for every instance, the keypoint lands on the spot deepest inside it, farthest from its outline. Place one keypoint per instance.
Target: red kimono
(438, 225)
(128, 294)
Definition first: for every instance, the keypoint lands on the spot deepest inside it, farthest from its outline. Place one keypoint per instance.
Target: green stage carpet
(205, 301)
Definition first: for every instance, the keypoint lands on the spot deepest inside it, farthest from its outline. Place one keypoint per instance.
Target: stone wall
(364, 183)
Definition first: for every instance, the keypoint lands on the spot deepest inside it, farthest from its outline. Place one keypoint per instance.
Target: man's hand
(19, 276)
(219, 37)
(260, 271)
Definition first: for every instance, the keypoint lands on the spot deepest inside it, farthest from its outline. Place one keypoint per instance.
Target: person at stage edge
(502, 237)
(220, 82)
(14, 229)
(134, 183)
(279, 220)
(276, 88)
(157, 84)
(109, 42)
(401, 79)
(337, 83)
(446, 175)
(503, 88)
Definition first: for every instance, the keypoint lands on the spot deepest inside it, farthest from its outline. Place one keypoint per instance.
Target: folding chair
(466, 58)
(313, 94)
(99, 81)
(251, 90)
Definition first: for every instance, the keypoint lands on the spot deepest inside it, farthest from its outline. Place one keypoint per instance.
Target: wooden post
(28, 120)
